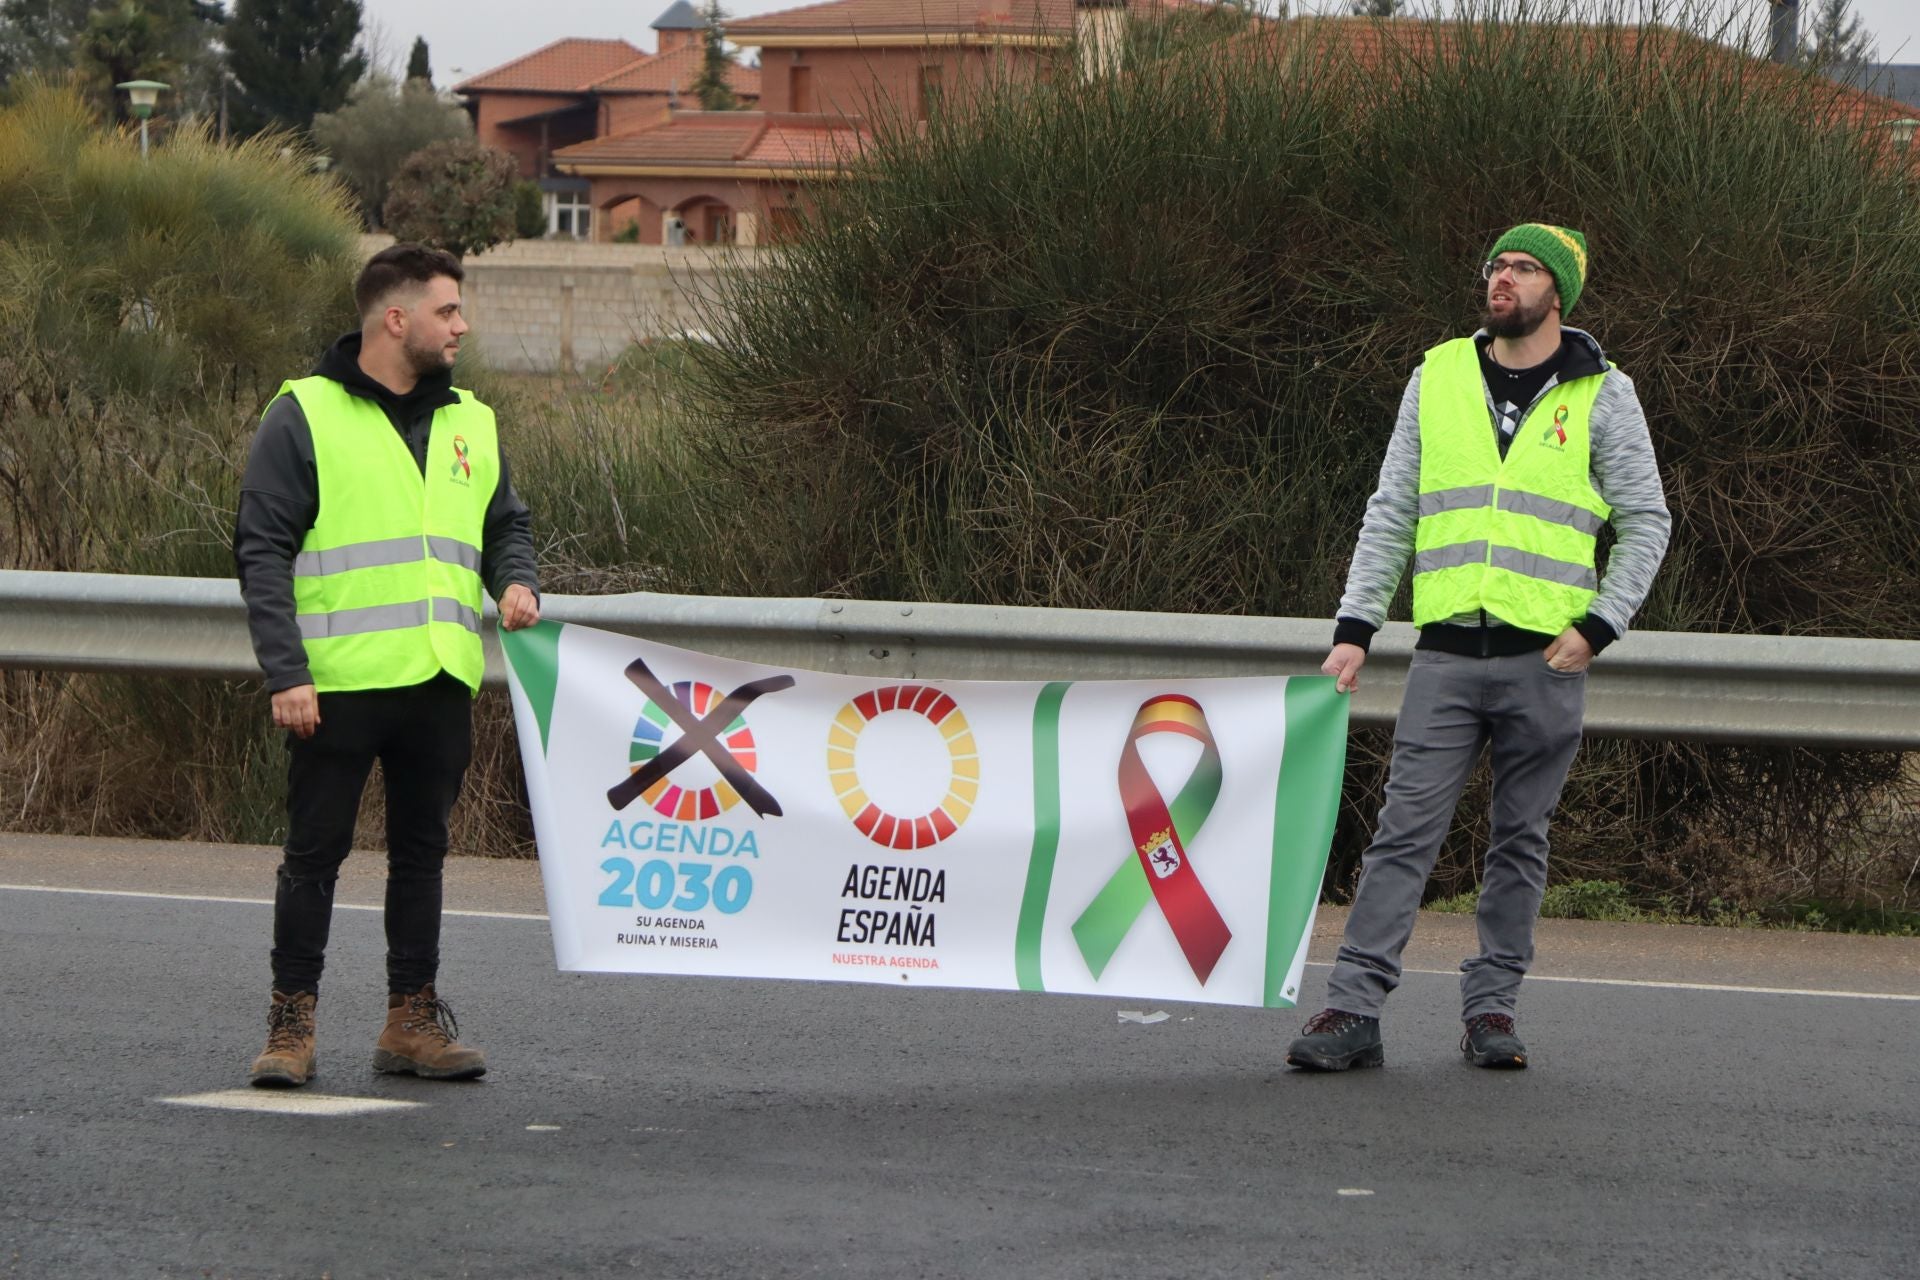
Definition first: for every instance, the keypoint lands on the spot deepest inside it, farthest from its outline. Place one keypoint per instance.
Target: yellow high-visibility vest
(386, 585)
(1512, 536)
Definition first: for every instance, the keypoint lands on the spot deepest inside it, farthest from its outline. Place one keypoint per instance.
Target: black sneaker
(1334, 1040)
(1490, 1042)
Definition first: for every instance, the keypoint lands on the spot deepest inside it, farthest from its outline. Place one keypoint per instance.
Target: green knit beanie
(1562, 250)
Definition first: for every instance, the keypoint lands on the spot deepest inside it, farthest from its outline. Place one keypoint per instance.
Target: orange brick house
(574, 90)
(623, 150)
(824, 69)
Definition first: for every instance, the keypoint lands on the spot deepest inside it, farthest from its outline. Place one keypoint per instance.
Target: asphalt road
(1696, 1108)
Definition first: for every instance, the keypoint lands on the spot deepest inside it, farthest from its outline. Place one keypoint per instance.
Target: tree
(1376, 8)
(716, 62)
(39, 35)
(456, 195)
(529, 210)
(292, 59)
(127, 42)
(372, 136)
(1839, 44)
(418, 68)
(116, 40)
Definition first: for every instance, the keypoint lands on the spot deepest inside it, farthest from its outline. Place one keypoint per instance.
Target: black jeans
(422, 736)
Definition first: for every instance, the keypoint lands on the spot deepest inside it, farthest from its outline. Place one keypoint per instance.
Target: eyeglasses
(1518, 269)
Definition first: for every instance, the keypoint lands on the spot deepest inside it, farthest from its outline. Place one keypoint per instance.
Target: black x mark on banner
(698, 736)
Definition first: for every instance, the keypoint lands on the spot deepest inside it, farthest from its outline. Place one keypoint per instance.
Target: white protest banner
(698, 815)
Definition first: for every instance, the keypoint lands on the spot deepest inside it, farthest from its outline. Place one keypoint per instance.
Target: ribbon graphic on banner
(1160, 868)
(698, 735)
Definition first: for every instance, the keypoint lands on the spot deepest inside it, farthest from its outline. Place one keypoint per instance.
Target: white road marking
(288, 1103)
(543, 1128)
(1720, 986)
(1353, 1191)
(1158, 1175)
(1677, 986)
(1436, 973)
(251, 902)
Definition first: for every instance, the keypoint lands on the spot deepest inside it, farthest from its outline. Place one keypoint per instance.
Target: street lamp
(142, 95)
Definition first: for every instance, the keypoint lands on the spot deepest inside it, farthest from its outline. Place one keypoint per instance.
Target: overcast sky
(466, 37)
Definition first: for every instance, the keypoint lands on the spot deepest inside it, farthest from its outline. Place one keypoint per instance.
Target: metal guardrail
(1652, 684)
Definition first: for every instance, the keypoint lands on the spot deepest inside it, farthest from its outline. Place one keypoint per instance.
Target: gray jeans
(1529, 714)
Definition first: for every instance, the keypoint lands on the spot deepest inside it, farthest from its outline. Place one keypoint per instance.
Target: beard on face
(424, 359)
(1522, 320)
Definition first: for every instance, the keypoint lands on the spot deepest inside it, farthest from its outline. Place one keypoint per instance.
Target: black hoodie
(280, 498)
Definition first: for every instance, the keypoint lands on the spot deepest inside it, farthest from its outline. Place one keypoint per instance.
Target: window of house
(800, 89)
(783, 222)
(930, 81)
(569, 214)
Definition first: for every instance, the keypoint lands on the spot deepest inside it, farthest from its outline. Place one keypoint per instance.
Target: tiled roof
(1371, 42)
(565, 66)
(883, 17)
(605, 66)
(725, 139)
(785, 146)
(662, 73)
(679, 140)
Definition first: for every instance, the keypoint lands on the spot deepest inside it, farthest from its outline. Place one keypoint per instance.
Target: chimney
(1100, 30)
(1784, 25)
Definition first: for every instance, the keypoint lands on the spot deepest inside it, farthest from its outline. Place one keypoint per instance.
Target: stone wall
(554, 306)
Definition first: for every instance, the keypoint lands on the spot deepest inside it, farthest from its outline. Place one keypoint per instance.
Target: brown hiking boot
(288, 1060)
(422, 1039)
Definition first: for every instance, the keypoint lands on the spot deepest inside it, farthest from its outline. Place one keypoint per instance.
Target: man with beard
(376, 504)
(1512, 448)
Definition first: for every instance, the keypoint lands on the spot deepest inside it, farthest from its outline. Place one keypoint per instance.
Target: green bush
(455, 195)
(529, 211)
(150, 308)
(1590, 900)
(1853, 917)
(1137, 344)
(379, 127)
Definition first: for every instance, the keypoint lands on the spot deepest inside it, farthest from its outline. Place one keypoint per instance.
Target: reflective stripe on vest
(387, 584)
(1532, 504)
(1514, 537)
(386, 617)
(371, 555)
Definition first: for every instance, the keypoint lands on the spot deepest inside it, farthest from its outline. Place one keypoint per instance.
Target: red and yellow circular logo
(898, 831)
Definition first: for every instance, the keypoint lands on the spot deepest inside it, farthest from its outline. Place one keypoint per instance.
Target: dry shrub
(1137, 344)
(150, 307)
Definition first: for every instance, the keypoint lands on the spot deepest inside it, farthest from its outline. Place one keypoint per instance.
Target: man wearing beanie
(1512, 449)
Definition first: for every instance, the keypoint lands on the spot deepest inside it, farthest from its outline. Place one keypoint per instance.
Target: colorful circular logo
(669, 799)
(897, 831)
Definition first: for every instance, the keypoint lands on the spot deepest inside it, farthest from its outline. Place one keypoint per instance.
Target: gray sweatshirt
(1623, 472)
